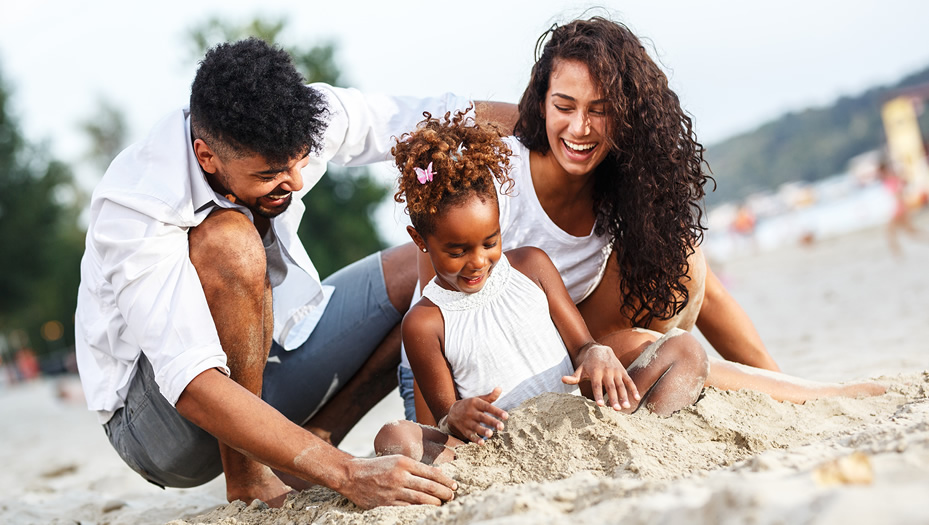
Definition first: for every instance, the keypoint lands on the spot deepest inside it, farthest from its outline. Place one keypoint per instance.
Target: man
(197, 297)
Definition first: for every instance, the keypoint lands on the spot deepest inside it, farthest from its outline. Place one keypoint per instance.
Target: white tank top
(581, 261)
(502, 336)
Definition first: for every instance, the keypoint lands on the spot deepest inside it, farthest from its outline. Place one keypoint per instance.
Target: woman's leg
(669, 370)
(727, 375)
(630, 345)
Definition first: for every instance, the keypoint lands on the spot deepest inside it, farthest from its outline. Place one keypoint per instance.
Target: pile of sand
(561, 457)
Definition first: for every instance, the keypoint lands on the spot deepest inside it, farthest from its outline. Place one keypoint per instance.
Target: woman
(609, 182)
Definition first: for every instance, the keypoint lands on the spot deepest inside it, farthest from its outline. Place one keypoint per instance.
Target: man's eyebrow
(274, 170)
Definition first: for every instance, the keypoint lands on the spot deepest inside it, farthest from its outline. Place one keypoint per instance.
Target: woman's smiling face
(575, 118)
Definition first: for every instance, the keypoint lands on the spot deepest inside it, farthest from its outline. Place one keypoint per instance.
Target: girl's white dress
(502, 336)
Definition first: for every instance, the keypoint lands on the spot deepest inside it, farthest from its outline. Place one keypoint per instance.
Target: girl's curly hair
(466, 158)
(648, 191)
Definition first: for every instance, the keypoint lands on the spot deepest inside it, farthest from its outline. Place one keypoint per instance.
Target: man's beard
(257, 209)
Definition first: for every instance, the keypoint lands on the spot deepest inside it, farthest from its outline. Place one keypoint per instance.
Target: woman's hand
(599, 365)
(475, 418)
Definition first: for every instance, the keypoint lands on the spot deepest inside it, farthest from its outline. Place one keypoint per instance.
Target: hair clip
(424, 175)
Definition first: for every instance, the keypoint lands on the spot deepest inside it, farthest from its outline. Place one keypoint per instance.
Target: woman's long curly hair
(649, 190)
(466, 159)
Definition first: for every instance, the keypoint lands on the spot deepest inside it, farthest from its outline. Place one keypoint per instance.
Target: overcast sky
(734, 63)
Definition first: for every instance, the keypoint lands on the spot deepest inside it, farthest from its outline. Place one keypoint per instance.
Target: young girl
(494, 329)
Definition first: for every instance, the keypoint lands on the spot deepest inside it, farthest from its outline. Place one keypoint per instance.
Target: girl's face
(575, 118)
(465, 245)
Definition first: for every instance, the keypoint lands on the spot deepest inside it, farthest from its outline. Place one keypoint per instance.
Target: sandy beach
(838, 309)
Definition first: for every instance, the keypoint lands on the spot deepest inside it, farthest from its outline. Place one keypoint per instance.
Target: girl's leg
(669, 370)
(425, 444)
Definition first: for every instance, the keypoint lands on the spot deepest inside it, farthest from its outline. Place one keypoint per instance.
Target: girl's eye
(455, 255)
(490, 245)
(563, 109)
(598, 112)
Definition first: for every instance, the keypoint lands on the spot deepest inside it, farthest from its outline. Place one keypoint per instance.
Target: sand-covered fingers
(397, 480)
(598, 365)
(476, 418)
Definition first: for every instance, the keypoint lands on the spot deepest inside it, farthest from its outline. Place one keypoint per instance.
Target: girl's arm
(592, 362)
(470, 419)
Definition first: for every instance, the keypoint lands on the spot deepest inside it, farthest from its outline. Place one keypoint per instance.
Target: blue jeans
(168, 450)
(405, 378)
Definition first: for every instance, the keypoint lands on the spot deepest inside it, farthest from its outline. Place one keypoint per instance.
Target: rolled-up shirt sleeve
(363, 126)
(159, 296)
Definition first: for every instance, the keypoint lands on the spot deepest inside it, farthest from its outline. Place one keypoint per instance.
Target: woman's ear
(417, 238)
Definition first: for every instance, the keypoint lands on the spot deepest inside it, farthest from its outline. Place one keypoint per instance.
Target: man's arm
(363, 127)
(729, 329)
(240, 419)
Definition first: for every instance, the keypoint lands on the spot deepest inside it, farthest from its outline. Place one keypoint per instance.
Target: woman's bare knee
(672, 370)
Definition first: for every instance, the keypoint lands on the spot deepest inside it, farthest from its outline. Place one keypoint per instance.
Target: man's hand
(599, 365)
(474, 418)
(396, 480)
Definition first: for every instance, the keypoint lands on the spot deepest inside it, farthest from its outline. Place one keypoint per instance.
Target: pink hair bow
(424, 175)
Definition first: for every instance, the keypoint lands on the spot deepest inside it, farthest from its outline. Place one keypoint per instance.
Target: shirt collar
(202, 193)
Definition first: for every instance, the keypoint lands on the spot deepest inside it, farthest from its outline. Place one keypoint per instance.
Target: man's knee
(400, 274)
(226, 247)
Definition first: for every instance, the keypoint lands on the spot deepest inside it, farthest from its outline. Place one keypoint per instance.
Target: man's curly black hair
(247, 98)
(649, 189)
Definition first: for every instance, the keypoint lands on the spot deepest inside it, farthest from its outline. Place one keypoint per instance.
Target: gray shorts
(168, 450)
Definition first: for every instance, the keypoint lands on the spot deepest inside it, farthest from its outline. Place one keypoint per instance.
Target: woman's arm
(729, 329)
(501, 115)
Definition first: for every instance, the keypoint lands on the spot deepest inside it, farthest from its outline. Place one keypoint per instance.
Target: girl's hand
(599, 365)
(474, 418)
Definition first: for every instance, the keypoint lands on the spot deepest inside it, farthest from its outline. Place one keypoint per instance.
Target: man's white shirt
(139, 291)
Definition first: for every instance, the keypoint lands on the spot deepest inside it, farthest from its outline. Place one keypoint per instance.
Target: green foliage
(337, 228)
(107, 131)
(41, 243)
(805, 146)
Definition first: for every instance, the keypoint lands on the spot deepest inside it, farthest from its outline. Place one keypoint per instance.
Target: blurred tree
(40, 242)
(337, 228)
(107, 131)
